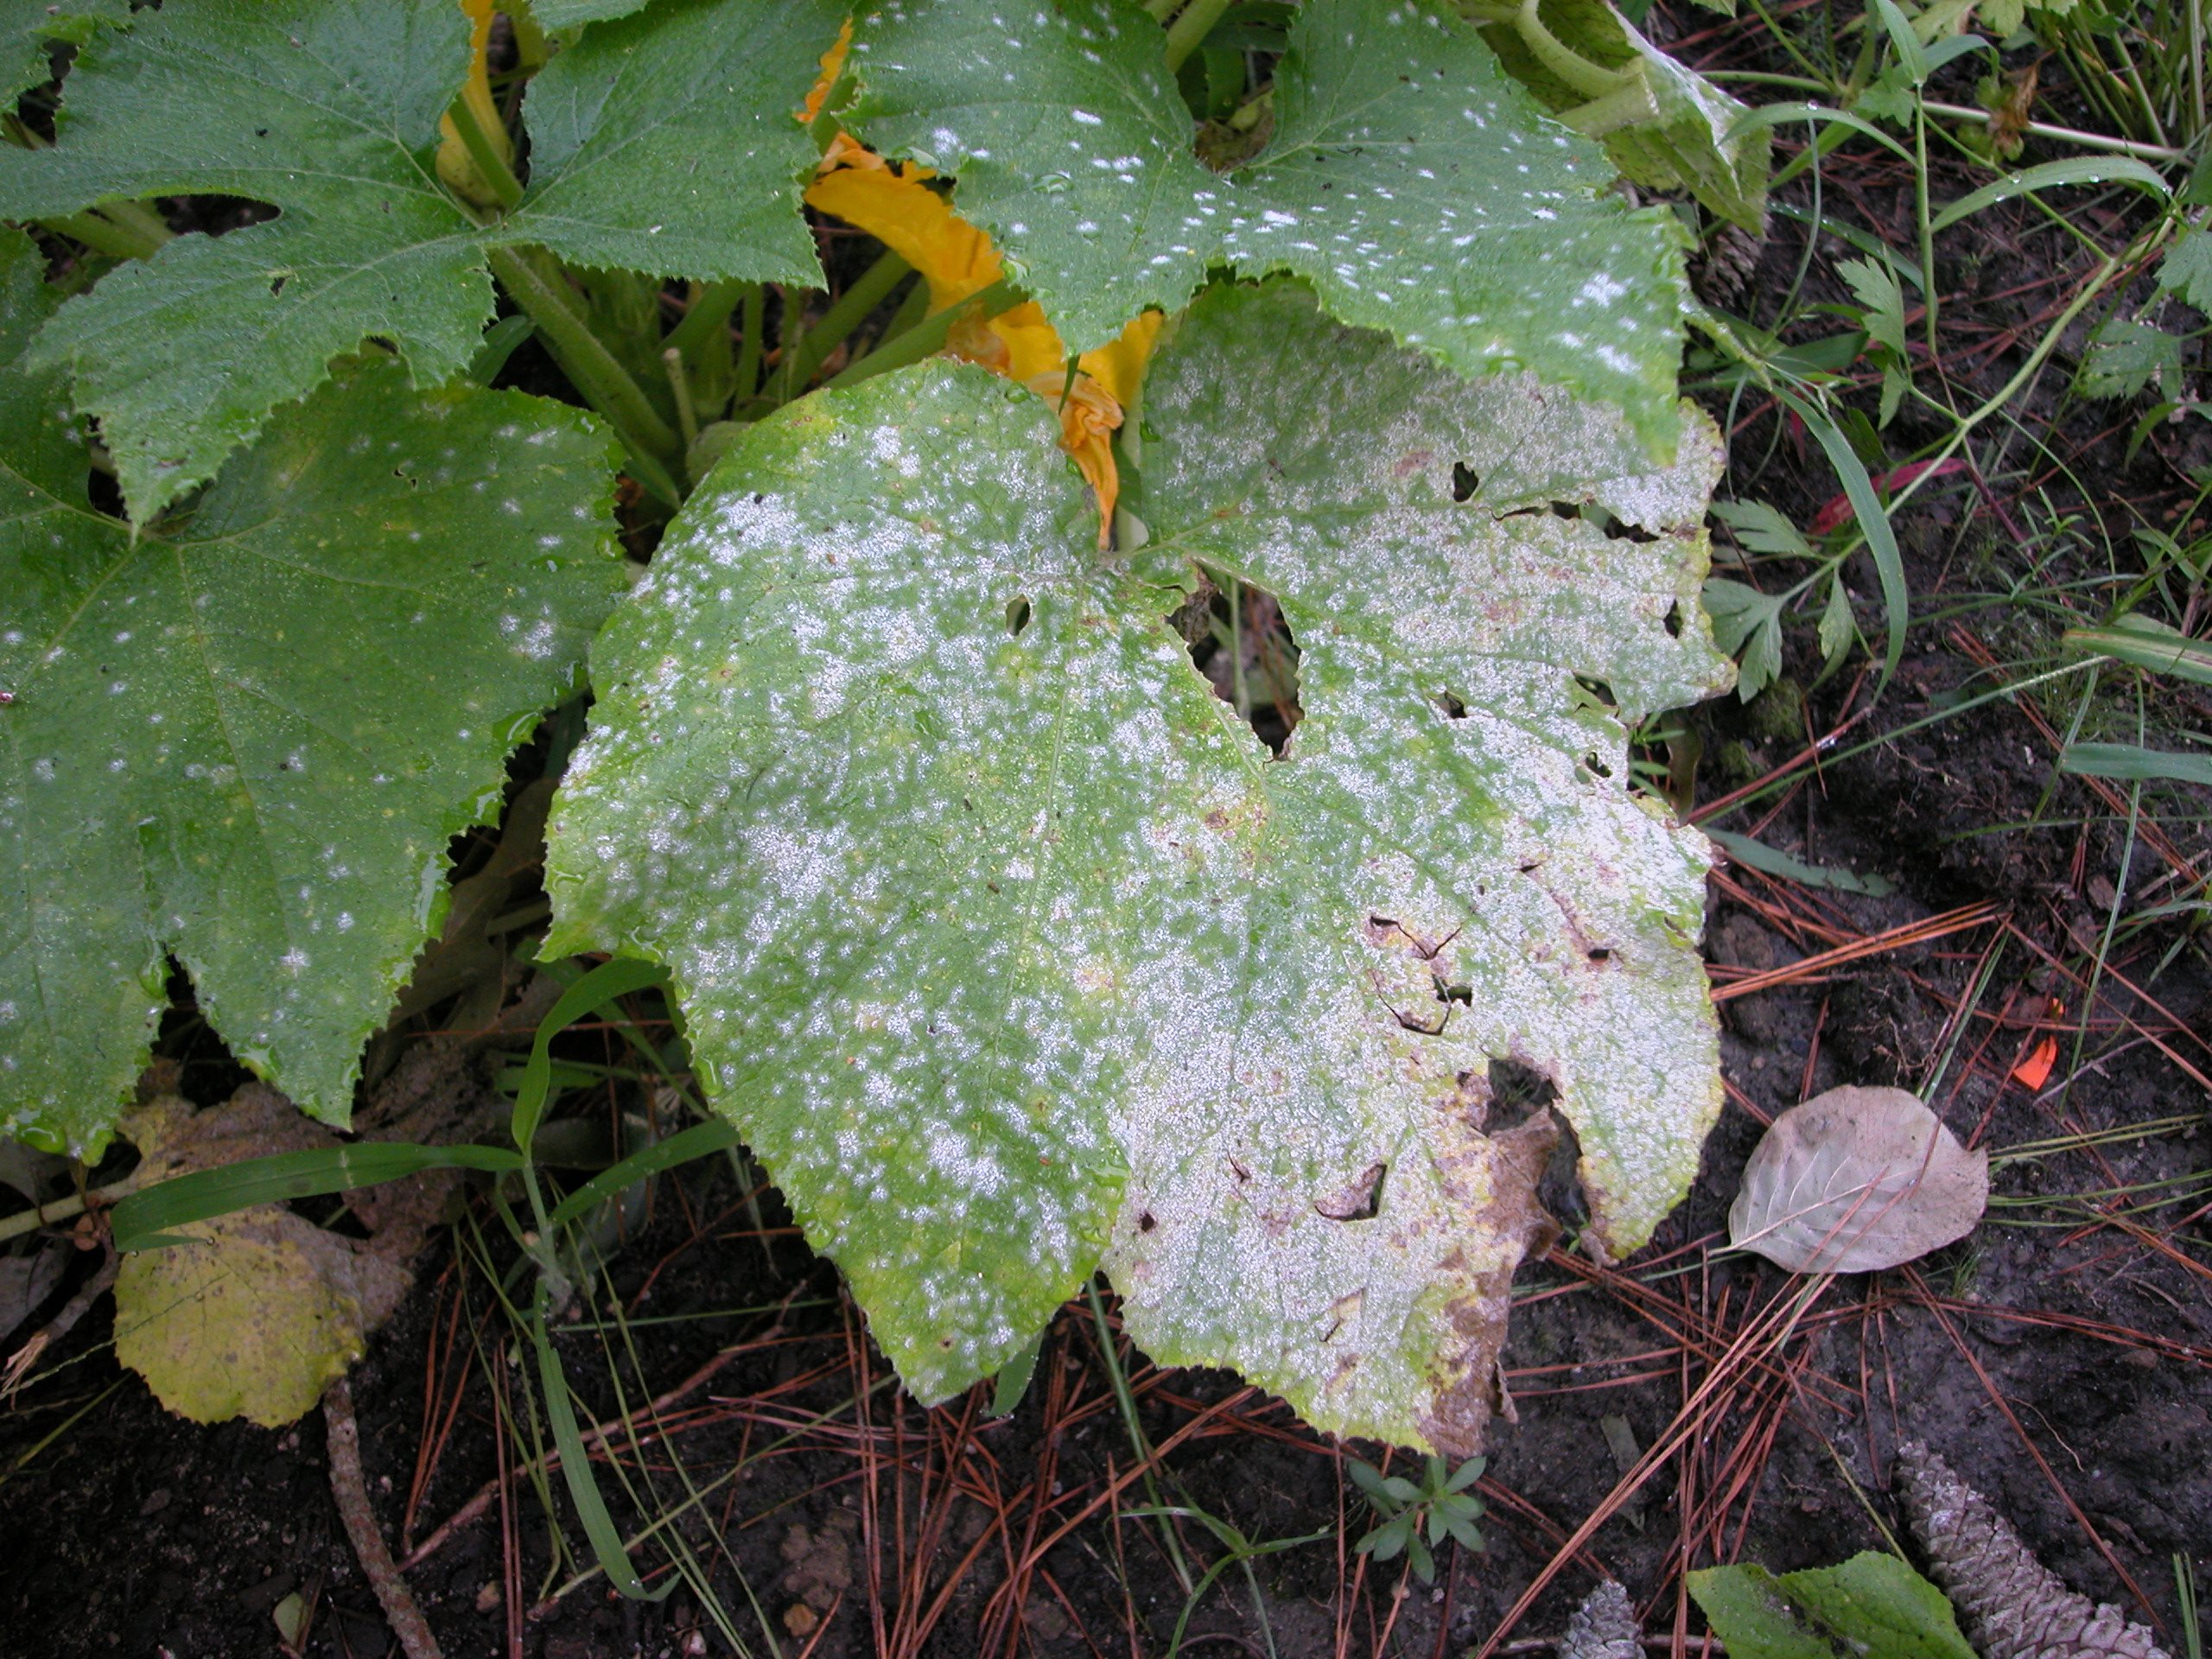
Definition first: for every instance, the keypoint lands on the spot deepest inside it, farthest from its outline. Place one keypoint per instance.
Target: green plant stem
(2158, 155)
(1628, 105)
(927, 335)
(655, 449)
(708, 316)
(490, 164)
(869, 291)
(1592, 80)
(911, 310)
(748, 352)
(1928, 304)
(99, 232)
(790, 342)
(1138, 1440)
(679, 387)
(60, 1210)
(1191, 25)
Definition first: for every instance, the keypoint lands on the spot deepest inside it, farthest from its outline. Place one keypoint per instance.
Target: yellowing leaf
(262, 1309)
(253, 1320)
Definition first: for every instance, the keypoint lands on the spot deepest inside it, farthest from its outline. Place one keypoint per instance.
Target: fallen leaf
(262, 1309)
(1838, 511)
(1855, 1180)
(253, 1319)
(27, 1280)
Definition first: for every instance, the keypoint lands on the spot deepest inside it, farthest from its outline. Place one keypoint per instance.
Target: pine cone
(1603, 1626)
(2013, 1607)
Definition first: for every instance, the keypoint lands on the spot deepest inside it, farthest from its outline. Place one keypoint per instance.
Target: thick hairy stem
(654, 447)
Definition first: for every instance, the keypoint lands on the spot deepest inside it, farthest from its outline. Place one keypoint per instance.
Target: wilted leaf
(1664, 125)
(246, 743)
(1417, 188)
(663, 145)
(1855, 1180)
(1873, 1607)
(1009, 945)
(27, 1280)
(255, 1316)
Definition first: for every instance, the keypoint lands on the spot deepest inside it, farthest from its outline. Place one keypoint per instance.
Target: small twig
(348, 1486)
(20, 1362)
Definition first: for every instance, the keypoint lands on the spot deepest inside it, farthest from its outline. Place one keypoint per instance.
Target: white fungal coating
(1007, 943)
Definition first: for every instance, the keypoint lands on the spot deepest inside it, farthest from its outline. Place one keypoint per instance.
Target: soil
(2062, 1363)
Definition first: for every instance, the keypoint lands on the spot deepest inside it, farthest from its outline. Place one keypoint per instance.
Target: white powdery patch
(1005, 943)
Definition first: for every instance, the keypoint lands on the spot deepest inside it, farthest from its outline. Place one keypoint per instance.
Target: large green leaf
(663, 145)
(665, 141)
(244, 743)
(1011, 948)
(1418, 187)
(28, 27)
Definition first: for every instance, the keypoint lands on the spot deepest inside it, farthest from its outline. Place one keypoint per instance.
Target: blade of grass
(140, 1219)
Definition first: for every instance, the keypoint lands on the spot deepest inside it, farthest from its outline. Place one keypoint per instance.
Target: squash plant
(1009, 946)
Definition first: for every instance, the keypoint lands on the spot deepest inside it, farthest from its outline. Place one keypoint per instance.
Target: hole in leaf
(1517, 1093)
(1245, 647)
(1599, 692)
(1357, 1199)
(1593, 763)
(1017, 614)
(1673, 620)
(277, 284)
(1614, 529)
(1452, 708)
(1599, 953)
(1145, 1223)
(1464, 482)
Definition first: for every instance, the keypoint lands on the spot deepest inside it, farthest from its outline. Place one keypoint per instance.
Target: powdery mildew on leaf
(1416, 185)
(1005, 943)
(246, 743)
(1459, 872)
(663, 145)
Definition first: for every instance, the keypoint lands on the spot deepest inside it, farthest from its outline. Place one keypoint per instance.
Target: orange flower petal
(2034, 1072)
(955, 258)
(833, 63)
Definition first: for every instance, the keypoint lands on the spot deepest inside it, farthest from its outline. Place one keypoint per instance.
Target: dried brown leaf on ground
(2014, 1607)
(1603, 1627)
(1855, 1180)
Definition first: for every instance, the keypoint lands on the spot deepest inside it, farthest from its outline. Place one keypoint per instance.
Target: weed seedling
(1413, 1518)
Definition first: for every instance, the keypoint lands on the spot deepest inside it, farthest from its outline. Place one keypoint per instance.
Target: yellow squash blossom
(455, 165)
(957, 261)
